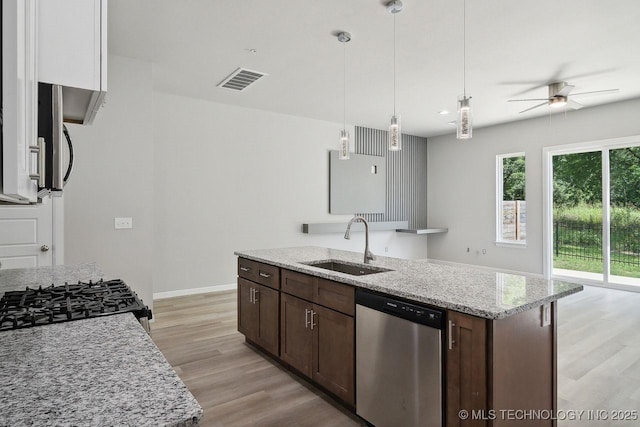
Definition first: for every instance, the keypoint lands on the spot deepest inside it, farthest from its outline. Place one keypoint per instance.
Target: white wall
(231, 178)
(200, 180)
(113, 177)
(461, 181)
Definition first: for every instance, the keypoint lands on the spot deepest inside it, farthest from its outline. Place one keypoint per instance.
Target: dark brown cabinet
(318, 331)
(493, 366)
(334, 352)
(296, 343)
(466, 368)
(319, 343)
(259, 305)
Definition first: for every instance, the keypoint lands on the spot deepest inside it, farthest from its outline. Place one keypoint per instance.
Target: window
(511, 206)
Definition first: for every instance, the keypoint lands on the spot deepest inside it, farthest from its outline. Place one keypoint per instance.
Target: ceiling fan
(559, 97)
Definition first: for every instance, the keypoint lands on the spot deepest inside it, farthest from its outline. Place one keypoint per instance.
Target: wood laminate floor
(235, 384)
(599, 354)
(598, 363)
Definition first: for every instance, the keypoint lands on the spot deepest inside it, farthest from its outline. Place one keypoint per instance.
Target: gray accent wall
(406, 184)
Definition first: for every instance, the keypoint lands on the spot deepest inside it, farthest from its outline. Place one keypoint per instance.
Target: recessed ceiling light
(443, 112)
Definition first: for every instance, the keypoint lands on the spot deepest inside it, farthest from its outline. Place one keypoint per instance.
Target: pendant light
(464, 124)
(395, 132)
(343, 154)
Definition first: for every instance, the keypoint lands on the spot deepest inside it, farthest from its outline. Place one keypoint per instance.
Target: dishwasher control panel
(412, 312)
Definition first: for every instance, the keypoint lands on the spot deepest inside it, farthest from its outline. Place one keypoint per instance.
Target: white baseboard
(194, 291)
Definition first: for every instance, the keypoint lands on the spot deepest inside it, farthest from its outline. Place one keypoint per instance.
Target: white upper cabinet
(72, 52)
(19, 101)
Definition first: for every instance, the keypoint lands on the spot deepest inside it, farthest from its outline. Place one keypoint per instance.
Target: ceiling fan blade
(566, 90)
(574, 104)
(535, 106)
(597, 92)
(530, 99)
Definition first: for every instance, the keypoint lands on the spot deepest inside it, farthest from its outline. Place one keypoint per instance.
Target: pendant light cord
(344, 80)
(464, 48)
(394, 64)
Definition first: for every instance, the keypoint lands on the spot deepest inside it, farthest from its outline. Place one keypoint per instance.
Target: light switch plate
(123, 223)
(546, 314)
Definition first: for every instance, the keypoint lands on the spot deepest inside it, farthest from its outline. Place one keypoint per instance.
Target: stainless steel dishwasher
(398, 362)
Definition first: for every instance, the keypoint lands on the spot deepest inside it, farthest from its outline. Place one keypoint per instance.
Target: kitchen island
(499, 343)
(98, 371)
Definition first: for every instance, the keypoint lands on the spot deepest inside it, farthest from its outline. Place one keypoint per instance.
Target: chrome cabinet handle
(43, 161)
(35, 164)
(251, 295)
(245, 268)
(255, 296)
(44, 248)
(266, 275)
(306, 318)
(451, 341)
(313, 313)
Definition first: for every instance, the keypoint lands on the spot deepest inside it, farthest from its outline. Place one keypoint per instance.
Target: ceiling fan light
(558, 102)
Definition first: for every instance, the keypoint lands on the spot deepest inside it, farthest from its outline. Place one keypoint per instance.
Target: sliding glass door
(593, 222)
(624, 195)
(577, 215)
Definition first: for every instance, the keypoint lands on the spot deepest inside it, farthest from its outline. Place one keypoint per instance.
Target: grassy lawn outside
(620, 263)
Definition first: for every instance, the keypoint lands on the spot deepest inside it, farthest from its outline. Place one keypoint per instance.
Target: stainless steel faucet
(368, 256)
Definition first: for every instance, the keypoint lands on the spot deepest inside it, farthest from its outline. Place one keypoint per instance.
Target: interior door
(26, 235)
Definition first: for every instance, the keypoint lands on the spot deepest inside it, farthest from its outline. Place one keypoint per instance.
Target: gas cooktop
(54, 304)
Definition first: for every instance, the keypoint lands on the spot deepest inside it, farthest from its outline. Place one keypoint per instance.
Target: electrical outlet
(386, 248)
(123, 223)
(484, 252)
(546, 315)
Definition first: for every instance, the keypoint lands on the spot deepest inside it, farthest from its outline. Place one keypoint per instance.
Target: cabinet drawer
(258, 272)
(336, 296)
(298, 284)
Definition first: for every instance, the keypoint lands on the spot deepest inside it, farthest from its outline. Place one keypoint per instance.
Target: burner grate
(53, 304)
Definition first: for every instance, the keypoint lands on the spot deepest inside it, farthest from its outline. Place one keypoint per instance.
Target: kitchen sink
(352, 269)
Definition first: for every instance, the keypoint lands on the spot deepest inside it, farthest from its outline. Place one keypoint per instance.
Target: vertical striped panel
(406, 176)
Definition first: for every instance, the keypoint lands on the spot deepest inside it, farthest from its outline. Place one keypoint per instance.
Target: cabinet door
(19, 100)
(295, 333)
(334, 352)
(72, 37)
(247, 310)
(466, 368)
(268, 303)
(71, 34)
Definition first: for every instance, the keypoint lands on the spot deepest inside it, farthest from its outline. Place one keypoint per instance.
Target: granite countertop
(93, 372)
(19, 278)
(475, 291)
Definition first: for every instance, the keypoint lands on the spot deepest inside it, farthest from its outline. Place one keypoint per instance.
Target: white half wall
(461, 181)
(113, 177)
(230, 178)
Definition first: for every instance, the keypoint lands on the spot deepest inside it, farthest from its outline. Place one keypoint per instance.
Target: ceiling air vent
(241, 79)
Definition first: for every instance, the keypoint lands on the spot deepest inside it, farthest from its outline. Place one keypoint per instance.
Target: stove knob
(44, 248)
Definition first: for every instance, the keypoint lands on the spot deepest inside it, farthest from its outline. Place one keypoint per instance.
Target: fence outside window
(583, 240)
